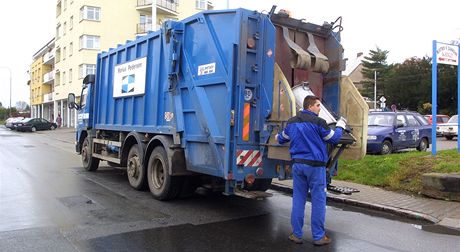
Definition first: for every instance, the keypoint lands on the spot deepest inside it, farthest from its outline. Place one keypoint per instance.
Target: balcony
(48, 78)
(47, 97)
(144, 5)
(48, 58)
(144, 27)
(168, 7)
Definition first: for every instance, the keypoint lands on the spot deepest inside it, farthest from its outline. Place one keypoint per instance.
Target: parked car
(9, 122)
(34, 124)
(449, 130)
(440, 119)
(390, 131)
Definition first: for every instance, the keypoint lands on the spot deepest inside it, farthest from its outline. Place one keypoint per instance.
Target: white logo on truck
(129, 78)
(207, 69)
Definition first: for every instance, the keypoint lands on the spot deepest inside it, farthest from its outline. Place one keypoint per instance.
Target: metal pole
(11, 77)
(458, 97)
(375, 89)
(434, 95)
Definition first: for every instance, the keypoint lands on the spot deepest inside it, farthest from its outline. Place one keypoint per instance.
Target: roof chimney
(359, 54)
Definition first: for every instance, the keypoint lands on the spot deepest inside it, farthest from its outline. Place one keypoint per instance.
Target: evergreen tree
(376, 61)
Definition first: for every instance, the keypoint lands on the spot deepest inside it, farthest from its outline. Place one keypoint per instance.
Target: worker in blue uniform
(308, 135)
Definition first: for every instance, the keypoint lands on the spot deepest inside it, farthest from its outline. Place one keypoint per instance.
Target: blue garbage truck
(198, 102)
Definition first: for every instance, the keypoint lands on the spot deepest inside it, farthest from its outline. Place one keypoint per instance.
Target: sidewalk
(444, 213)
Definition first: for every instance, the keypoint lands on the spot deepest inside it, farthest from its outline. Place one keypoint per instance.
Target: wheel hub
(133, 166)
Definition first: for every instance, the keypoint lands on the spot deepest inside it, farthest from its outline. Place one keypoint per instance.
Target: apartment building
(86, 27)
(42, 82)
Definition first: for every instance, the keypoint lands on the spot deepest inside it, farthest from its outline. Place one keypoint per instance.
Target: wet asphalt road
(48, 203)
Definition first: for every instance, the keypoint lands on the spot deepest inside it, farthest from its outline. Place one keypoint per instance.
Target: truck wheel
(134, 169)
(89, 162)
(259, 185)
(449, 137)
(387, 147)
(161, 184)
(423, 145)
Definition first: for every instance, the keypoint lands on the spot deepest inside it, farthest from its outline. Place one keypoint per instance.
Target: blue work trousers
(314, 179)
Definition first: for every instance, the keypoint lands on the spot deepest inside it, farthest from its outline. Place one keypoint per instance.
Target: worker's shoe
(323, 241)
(294, 239)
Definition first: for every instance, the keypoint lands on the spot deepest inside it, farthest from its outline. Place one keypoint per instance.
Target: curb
(395, 210)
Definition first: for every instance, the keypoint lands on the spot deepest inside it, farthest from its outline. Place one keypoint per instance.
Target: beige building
(42, 82)
(86, 27)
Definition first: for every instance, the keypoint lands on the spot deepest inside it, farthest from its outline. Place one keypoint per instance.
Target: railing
(168, 4)
(48, 77)
(144, 27)
(48, 97)
(48, 56)
(143, 2)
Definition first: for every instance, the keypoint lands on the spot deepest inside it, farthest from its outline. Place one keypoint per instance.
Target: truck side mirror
(71, 101)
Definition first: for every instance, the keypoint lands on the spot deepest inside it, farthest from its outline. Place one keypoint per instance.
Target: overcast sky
(406, 28)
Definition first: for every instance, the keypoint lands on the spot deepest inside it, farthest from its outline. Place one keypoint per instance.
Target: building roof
(353, 64)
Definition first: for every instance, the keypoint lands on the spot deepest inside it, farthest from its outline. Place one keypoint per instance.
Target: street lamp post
(11, 77)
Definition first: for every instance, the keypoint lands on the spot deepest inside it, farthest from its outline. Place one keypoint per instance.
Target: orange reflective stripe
(246, 117)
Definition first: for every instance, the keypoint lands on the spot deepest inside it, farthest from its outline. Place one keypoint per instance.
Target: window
(411, 121)
(70, 49)
(86, 69)
(89, 42)
(71, 23)
(64, 28)
(145, 19)
(90, 13)
(63, 78)
(65, 4)
(70, 75)
(401, 120)
(64, 52)
(200, 4)
(58, 31)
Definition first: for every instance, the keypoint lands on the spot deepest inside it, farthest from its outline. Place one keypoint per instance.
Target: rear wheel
(423, 145)
(387, 147)
(162, 185)
(134, 168)
(90, 163)
(33, 129)
(52, 127)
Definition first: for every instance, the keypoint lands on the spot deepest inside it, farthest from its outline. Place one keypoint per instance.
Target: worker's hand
(342, 123)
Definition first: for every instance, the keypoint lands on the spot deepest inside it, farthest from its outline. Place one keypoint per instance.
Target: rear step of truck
(252, 194)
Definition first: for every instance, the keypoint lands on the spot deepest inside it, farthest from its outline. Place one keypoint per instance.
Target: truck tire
(259, 185)
(162, 185)
(89, 162)
(135, 169)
